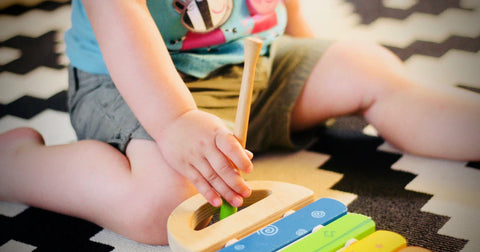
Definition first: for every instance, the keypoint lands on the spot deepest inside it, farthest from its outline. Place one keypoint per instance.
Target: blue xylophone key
(292, 227)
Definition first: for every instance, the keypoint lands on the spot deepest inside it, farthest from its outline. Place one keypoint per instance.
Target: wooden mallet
(252, 51)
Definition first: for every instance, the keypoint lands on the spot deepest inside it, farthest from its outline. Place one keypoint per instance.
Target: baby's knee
(148, 213)
(148, 225)
(358, 51)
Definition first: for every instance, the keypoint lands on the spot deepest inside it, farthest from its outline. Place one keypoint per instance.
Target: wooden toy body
(269, 202)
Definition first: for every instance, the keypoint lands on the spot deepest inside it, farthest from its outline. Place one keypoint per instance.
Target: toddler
(153, 88)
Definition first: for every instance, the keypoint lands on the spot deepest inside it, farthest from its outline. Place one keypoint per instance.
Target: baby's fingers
(224, 179)
(203, 187)
(228, 174)
(231, 148)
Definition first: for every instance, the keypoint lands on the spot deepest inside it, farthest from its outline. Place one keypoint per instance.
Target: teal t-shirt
(201, 35)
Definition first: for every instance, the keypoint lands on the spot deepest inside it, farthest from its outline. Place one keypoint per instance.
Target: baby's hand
(201, 148)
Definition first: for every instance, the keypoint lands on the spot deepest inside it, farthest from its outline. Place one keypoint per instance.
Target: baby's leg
(361, 77)
(89, 179)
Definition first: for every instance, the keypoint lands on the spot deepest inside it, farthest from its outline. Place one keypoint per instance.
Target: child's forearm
(297, 26)
(139, 62)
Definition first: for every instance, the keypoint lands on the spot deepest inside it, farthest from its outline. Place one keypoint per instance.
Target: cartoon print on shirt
(203, 19)
(203, 16)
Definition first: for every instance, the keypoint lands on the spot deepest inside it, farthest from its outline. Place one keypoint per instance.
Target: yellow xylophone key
(379, 241)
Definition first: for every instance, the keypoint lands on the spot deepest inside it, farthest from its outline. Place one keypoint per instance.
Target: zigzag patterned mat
(433, 203)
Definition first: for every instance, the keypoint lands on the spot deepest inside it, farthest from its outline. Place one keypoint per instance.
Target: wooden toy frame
(269, 202)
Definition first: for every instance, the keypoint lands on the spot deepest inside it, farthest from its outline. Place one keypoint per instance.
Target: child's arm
(194, 143)
(296, 24)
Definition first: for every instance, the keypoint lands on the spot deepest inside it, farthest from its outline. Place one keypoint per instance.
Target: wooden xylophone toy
(264, 224)
(279, 217)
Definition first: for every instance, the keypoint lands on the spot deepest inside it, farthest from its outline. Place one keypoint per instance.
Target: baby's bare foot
(12, 141)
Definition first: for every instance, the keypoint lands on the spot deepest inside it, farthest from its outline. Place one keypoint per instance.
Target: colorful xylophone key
(382, 241)
(333, 236)
(379, 241)
(292, 227)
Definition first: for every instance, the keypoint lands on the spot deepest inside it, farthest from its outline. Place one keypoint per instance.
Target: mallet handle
(252, 51)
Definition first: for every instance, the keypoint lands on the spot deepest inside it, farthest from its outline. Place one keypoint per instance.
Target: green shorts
(98, 111)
